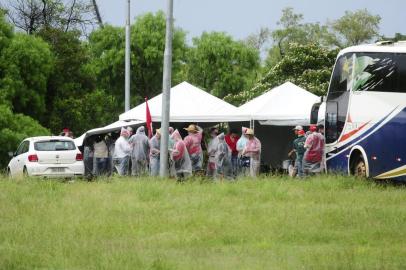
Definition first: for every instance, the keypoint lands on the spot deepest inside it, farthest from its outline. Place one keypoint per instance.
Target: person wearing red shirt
(193, 143)
(231, 139)
(313, 157)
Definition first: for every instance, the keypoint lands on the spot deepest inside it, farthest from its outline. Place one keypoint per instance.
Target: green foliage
(396, 38)
(148, 46)
(293, 30)
(107, 46)
(326, 222)
(27, 63)
(308, 66)
(69, 79)
(221, 65)
(6, 32)
(84, 112)
(355, 28)
(13, 129)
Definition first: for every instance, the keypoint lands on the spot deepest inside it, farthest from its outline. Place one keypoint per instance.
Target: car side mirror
(11, 154)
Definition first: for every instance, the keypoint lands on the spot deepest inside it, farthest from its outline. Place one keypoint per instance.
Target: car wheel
(360, 168)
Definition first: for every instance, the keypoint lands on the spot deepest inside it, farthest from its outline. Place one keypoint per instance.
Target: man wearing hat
(253, 150)
(299, 150)
(313, 156)
(297, 129)
(193, 144)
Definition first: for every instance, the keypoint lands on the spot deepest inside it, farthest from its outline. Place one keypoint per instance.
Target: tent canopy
(285, 105)
(103, 130)
(188, 104)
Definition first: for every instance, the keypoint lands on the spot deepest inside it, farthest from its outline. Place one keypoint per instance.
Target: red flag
(148, 119)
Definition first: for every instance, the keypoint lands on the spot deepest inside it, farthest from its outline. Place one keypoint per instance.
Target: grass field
(329, 222)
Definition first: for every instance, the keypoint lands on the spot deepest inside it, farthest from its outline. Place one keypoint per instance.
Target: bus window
(374, 72)
(336, 115)
(341, 79)
(338, 97)
(400, 60)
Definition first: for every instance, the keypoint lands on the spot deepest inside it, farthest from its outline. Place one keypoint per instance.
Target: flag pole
(127, 60)
(166, 88)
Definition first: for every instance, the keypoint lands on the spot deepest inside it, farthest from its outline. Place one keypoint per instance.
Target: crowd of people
(308, 149)
(226, 156)
(221, 156)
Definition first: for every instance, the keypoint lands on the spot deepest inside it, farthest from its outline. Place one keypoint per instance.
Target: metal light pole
(127, 60)
(166, 88)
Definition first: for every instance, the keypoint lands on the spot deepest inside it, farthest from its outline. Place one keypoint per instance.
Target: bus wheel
(360, 169)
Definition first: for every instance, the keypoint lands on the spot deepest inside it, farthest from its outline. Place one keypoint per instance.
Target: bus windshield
(361, 71)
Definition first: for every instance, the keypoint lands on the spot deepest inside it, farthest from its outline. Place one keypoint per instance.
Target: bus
(365, 112)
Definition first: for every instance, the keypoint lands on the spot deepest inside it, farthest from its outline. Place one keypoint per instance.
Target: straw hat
(158, 130)
(191, 128)
(249, 131)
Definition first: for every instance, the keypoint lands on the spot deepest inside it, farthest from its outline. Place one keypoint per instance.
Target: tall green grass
(327, 222)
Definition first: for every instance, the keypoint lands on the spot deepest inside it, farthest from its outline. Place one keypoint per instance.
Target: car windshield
(54, 145)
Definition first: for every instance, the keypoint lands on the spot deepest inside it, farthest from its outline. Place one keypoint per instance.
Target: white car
(49, 156)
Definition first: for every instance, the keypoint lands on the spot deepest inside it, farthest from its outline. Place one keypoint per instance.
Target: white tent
(285, 105)
(188, 104)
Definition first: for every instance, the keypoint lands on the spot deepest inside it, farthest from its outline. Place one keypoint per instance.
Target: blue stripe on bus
(387, 145)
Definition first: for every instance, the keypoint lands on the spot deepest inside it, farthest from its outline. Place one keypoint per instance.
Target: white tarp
(285, 105)
(188, 104)
(109, 128)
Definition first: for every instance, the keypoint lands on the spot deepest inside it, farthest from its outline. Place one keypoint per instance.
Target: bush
(13, 129)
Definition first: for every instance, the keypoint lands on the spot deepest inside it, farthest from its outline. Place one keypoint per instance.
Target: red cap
(66, 130)
(301, 132)
(313, 128)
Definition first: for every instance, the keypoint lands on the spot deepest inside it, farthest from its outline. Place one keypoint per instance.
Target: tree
(13, 129)
(34, 15)
(355, 28)
(293, 30)
(27, 63)
(396, 38)
(147, 47)
(222, 65)
(6, 35)
(90, 110)
(70, 76)
(308, 66)
(259, 39)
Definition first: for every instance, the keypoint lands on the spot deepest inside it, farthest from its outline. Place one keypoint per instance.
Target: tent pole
(166, 90)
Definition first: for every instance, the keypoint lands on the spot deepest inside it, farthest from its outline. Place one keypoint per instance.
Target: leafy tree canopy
(13, 129)
(222, 65)
(308, 66)
(27, 63)
(147, 48)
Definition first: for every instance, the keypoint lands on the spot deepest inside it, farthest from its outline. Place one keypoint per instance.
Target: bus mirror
(314, 114)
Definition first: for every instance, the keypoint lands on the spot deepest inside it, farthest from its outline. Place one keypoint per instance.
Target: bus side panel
(339, 163)
(386, 148)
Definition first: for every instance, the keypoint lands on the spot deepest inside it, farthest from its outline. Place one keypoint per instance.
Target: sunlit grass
(328, 222)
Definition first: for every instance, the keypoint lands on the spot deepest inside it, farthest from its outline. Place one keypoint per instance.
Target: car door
(21, 157)
(14, 161)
